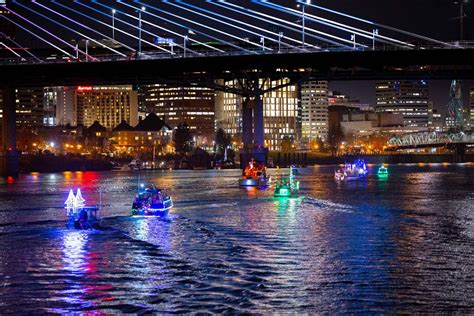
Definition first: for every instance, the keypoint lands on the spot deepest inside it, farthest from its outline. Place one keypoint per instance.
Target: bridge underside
(8, 152)
(353, 65)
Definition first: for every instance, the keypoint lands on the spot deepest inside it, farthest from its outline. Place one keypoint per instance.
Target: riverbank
(53, 163)
(286, 159)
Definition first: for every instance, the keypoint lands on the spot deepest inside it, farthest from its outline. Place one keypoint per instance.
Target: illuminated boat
(355, 171)
(288, 187)
(294, 171)
(80, 216)
(382, 172)
(254, 175)
(151, 201)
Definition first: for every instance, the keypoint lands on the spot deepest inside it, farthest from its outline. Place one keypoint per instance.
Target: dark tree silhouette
(287, 143)
(223, 140)
(183, 139)
(335, 137)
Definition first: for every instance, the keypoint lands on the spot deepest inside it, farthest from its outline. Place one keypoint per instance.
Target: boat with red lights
(254, 175)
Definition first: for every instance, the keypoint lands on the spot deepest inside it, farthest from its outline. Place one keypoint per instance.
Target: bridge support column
(258, 122)
(247, 128)
(252, 133)
(8, 153)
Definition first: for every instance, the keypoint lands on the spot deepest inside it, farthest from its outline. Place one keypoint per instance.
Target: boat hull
(157, 210)
(252, 182)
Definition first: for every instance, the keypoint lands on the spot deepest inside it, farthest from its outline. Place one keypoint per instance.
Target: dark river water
(404, 244)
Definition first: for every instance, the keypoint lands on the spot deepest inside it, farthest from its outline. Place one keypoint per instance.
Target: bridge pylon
(253, 130)
(8, 153)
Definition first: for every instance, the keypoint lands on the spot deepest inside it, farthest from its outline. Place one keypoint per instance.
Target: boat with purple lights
(80, 216)
(354, 171)
(151, 201)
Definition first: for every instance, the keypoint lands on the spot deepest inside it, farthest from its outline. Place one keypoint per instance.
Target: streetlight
(375, 32)
(303, 20)
(143, 9)
(113, 24)
(280, 36)
(185, 39)
(87, 49)
(462, 15)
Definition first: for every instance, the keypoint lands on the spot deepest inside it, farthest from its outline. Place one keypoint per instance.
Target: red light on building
(84, 88)
(332, 100)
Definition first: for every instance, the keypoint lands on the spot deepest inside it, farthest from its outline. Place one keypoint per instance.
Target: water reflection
(379, 245)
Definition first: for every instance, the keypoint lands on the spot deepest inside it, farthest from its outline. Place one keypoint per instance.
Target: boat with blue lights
(383, 171)
(151, 201)
(80, 216)
(354, 171)
(254, 175)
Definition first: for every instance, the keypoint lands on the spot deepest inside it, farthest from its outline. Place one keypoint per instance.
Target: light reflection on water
(402, 243)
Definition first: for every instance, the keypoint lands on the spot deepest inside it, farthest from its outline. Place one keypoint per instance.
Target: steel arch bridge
(431, 140)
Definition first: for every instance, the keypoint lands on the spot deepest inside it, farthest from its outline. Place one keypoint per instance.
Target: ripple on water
(401, 245)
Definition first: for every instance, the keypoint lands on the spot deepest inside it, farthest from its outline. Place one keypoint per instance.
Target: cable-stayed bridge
(191, 41)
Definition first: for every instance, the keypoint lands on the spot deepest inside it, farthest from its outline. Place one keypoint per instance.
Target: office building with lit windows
(7, 29)
(108, 105)
(193, 105)
(314, 111)
(29, 107)
(406, 97)
(471, 98)
(279, 110)
(66, 113)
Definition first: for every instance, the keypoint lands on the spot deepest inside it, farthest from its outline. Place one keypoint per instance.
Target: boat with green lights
(383, 171)
(288, 186)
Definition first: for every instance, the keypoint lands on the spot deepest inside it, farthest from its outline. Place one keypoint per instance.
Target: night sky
(431, 18)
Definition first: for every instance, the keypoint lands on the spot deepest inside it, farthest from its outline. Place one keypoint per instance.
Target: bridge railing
(431, 138)
(153, 55)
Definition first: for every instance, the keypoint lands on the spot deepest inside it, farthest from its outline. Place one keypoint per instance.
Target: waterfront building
(406, 97)
(279, 110)
(336, 98)
(437, 122)
(314, 111)
(66, 112)
(7, 29)
(471, 98)
(151, 134)
(29, 107)
(192, 104)
(108, 105)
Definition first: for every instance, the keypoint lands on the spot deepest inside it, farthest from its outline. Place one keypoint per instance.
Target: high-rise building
(314, 111)
(7, 29)
(66, 112)
(471, 97)
(108, 105)
(406, 97)
(193, 104)
(279, 110)
(29, 107)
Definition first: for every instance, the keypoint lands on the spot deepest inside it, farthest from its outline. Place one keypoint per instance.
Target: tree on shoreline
(183, 139)
(335, 137)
